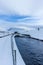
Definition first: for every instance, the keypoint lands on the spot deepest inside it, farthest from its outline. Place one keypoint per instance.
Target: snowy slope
(5, 43)
(28, 29)
(36, 33)
(5, 51)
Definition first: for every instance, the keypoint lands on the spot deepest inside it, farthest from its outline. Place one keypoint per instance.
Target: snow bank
(36, 33)
(19, 60)
(5, 51)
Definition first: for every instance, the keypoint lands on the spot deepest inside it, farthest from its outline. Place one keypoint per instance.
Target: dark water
(31, 50)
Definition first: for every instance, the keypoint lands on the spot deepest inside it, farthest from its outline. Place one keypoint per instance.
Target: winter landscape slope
(5, 42)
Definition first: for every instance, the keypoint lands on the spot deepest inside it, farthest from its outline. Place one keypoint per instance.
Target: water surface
(31, 50)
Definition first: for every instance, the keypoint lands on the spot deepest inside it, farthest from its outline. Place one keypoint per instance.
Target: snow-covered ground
(36, 33)
(32, 30)
(5, 51)
(5, 42)
(5, 45)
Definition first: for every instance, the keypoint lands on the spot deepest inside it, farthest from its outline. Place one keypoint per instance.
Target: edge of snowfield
(6, 52)
(33, 31)
(36, 34)
(19, 60)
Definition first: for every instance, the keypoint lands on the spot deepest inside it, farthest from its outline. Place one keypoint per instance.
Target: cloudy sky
(20, 14)
(25, 11)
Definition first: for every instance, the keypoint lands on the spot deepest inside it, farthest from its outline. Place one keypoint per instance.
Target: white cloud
(20, 6)
(23, 7)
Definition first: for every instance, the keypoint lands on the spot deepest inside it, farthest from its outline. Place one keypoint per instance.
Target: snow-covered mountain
(5, 42)
(10, 27)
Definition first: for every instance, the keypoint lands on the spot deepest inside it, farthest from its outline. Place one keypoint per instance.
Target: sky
(22, 12)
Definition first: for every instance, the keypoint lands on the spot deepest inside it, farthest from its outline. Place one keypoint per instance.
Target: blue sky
(16, 18)
(12, 18)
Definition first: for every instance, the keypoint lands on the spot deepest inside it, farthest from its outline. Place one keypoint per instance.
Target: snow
(19, 60)
(5, 42)
(36, 33)
(5, 51)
